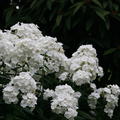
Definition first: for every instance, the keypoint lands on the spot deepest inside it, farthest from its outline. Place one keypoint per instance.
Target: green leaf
(105, 4)
(109, 77)
(49, 4)
(76, 22)
(110, 51)
(117, 17)
(85, 115)
(9, 13)
(72, 1)
(107, 24)
(77, 6)
(116, 7)
(33, 3)
(97, 3)
(89, 23)
(52, 15)
(101, 13)
(58, 20)
(68, 23)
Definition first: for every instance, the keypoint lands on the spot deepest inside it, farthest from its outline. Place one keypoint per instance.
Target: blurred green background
(74, 22)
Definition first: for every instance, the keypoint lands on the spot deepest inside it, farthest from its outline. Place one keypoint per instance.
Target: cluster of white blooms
(10, 94)
(29, 100)
(24, 45)
(6, 46)
(55, 57)
(26, 31)
(24, 82)
(25, 52)
(63, 76)
(110, 93)
(64, 100)
(23, 85)
(84, 65)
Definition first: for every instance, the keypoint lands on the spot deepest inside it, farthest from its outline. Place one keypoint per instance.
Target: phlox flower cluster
(83, 66)
(23, 85)
(110, 93)
(64, 100)
(26, 56)
(24, 45)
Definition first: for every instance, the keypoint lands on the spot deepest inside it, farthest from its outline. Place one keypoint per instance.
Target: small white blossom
(24, 85)
(93, 86)
(10, 94)
(110, 93)
(29, 100)
(84, 65)
(24, 82)
(71, 114)
(64, 100)
(63, 76)
(81, 77)
(23, 30)
(48, 93)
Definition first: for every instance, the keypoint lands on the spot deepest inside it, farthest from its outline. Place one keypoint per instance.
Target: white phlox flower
(24, 85)
(64, 100)
(110, 93)
(84, 65)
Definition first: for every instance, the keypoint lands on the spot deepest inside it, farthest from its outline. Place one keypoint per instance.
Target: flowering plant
(35, 73)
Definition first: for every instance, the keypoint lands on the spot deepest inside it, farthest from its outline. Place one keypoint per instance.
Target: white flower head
(110, 93)
(23, 30)
(10, 94)
(24, 82)
(64, 100)
(29, 100)
(84, 65)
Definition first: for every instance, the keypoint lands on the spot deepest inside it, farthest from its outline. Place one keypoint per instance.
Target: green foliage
(49, 11)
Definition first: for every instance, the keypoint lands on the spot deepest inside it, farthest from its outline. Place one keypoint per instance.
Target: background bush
(73, 22)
